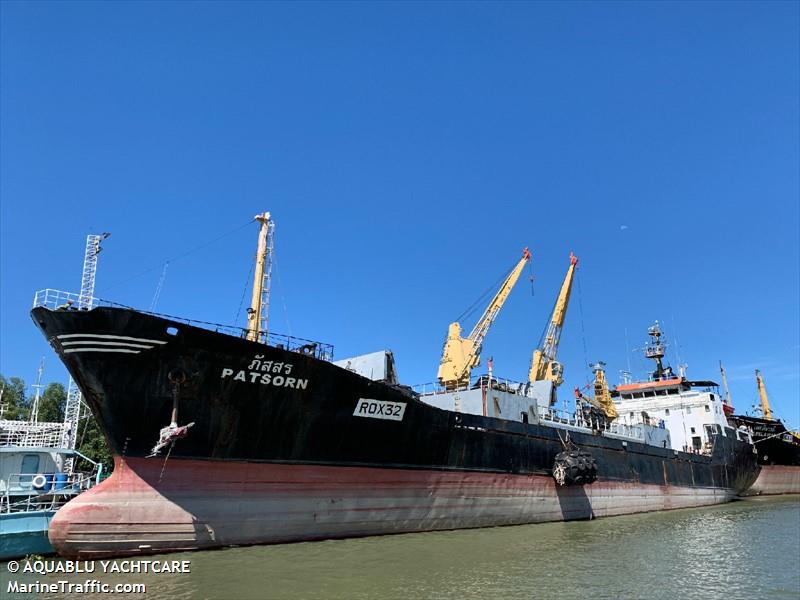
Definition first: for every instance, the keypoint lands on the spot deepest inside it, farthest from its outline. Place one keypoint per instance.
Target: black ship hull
(284, 446)
(778, 454)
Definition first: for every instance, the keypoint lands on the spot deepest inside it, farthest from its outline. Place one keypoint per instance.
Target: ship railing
(632, 431)
(476, 382)
(54, 483)
(32, 502)
(59, 300)
(33, 435)
(555, 415)
(707, 449)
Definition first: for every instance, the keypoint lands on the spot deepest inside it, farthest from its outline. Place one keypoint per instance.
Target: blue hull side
(25, 533)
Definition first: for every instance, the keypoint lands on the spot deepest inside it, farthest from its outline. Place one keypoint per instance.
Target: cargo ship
(226, 437)
(778, 448)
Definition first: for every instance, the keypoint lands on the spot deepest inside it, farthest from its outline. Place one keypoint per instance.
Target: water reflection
(742, 550)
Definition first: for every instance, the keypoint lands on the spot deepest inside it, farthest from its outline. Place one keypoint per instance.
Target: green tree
(51, 404)
(92, 443)
(14, 399)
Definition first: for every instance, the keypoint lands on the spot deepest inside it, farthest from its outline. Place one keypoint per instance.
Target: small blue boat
(36, 479)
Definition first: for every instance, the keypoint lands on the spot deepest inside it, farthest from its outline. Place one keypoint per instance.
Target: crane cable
(473, 308)
(583, 328)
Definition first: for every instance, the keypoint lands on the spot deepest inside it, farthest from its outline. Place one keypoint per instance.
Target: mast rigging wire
(159, 286)
(179, 256)
(244, 292)
(283, 298)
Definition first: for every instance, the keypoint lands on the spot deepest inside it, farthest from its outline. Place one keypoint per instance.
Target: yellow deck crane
(544, 366)
(461, 355)
(766, 411)
(602, 396)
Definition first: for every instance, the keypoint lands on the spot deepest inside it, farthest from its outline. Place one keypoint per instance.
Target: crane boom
(461, 355)
(543, 362)
(766, 411)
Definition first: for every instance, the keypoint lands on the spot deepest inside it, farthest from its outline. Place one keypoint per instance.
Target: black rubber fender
(574, 467)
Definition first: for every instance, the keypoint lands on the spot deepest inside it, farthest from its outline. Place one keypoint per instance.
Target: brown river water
(748, 549)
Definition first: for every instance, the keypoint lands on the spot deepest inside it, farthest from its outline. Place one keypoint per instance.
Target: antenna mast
(72, 409)
(728, 405)
(34, 418)
(655, 350)
(258, 313)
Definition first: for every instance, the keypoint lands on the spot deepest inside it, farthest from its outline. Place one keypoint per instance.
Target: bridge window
(708, 408)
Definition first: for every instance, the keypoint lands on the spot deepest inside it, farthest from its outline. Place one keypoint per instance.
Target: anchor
(173, 432)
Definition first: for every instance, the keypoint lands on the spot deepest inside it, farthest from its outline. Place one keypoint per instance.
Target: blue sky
(408, 152)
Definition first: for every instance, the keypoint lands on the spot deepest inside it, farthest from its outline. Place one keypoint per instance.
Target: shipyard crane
(544, 366)
(766, 411)
(602, 396)
(72, 407)
(461, 355)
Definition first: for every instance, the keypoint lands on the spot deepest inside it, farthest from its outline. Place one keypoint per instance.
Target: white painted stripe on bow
(99, 343)
(71, 350)
(108, 337)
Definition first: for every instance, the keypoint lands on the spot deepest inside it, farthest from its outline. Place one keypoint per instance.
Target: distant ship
(231, 437)
(778, 449)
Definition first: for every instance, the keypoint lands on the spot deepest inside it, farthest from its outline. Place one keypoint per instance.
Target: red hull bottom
(776, 479)
(205, 504)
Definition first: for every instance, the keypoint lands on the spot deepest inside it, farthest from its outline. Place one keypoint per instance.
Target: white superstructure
(692, 410)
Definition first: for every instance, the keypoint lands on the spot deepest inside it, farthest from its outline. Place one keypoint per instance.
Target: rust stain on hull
(205, 504)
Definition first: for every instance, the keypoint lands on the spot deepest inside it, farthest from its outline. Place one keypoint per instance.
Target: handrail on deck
(59, 300)
(475, 382)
